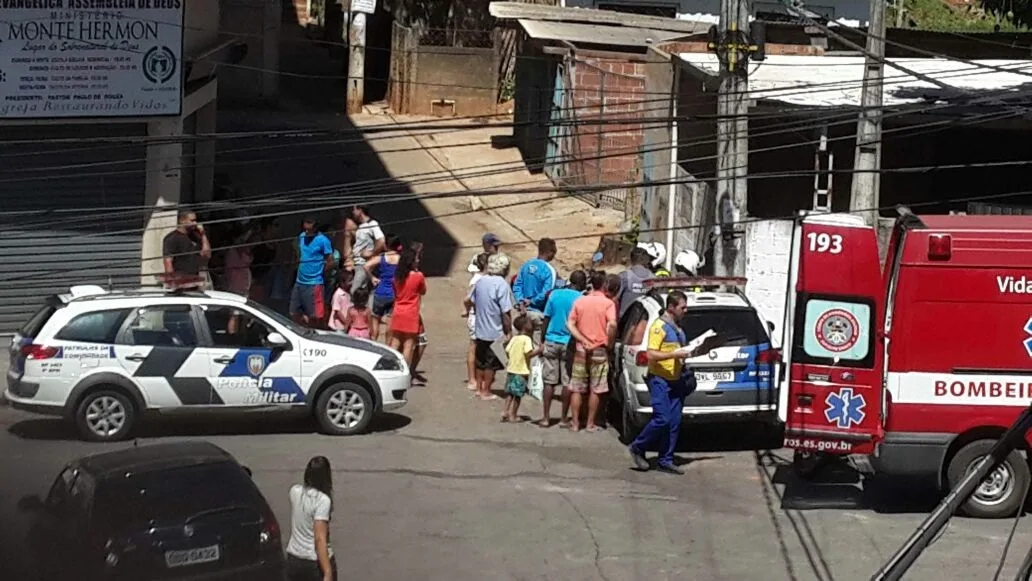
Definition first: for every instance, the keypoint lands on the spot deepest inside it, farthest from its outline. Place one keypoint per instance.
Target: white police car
(103, 359)
(734, 381)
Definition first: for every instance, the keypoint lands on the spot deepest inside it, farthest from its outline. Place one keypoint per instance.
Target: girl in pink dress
(358, 314)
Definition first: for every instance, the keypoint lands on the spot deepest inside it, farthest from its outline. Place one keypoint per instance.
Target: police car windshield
(281, 319)
(738, 325)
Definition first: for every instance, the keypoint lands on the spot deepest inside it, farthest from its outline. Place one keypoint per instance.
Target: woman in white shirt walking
(309, 556)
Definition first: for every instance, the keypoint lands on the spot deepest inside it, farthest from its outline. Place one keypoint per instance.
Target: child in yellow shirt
(519, 350)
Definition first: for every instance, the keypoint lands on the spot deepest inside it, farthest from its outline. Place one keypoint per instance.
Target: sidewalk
(466, 155)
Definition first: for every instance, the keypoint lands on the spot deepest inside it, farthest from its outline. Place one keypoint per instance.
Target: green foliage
(938, 15)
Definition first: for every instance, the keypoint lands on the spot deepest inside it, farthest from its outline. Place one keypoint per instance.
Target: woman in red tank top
(409, 288)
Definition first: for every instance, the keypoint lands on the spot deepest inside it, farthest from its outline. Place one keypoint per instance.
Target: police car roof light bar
(695, 281)
(929, 529)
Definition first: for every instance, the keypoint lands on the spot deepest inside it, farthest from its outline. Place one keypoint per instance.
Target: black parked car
(169, 511)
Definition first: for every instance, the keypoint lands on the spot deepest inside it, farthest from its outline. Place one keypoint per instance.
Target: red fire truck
(915, 368)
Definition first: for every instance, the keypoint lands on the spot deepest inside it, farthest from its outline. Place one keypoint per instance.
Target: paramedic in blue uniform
(669, 381)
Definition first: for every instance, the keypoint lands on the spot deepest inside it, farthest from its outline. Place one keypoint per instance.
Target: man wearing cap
(490, 242)
(315, 256)
(492, 302)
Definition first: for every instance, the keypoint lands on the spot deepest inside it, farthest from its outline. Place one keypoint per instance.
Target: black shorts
(484, 357)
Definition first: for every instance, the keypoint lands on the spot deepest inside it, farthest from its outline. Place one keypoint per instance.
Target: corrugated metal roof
(596, 34)
(836, 81)
(519, 10)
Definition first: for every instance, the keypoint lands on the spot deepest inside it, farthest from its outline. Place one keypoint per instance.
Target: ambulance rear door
(832, 397)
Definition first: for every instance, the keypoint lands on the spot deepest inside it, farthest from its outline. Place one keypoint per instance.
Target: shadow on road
(243, 424)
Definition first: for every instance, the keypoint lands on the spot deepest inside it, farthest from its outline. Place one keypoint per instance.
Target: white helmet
(688, 261)
(655, 250)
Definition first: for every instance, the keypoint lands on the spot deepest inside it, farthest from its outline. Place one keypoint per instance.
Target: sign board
(61, 62)
(363, 6)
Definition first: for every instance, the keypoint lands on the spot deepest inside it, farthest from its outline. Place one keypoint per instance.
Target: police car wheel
(1002, 493)
(104, 416)
(630, 426)
(344, 409)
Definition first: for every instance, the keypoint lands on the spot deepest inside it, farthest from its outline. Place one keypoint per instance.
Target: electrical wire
(445, 176)
(449, 123)
(138, 261)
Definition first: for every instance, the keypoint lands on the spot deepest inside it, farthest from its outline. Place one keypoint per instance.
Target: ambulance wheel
(104, 415)
(1002, 493)
(806, 465)
(344, 409)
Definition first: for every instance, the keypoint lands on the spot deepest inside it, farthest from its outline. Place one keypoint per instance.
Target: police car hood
(351, 342)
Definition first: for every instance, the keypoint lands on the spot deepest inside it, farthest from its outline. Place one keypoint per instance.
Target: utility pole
(730, 40)
(356, 58)
(865, 194)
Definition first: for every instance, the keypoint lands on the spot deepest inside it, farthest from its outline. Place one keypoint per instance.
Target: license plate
(714, 376)
(192, 556)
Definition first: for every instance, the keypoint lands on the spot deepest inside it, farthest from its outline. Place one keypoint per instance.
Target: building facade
(97, 110)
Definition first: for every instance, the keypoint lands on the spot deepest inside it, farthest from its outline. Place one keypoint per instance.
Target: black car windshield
(281, 319)
(739, 326)
(171, 496)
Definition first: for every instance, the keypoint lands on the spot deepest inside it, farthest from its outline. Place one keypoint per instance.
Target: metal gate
(557, 152)
(69, 214)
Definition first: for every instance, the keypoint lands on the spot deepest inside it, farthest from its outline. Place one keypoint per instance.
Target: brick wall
(610, 90)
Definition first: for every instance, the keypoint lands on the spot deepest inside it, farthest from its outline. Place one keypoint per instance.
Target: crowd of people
(350, 278)
(568, 325)
(552, 337)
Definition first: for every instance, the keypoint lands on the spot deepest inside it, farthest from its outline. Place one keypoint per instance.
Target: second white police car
(103, 359)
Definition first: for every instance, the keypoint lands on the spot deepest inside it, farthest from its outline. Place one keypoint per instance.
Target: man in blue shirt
(533, 283)
(556, 356)
(315, 256)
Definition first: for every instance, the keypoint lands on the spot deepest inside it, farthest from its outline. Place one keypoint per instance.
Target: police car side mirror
(770, 327)
(276, 341)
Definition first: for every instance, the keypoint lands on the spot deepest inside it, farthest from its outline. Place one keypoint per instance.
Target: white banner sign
(90, 58)
(363, 6)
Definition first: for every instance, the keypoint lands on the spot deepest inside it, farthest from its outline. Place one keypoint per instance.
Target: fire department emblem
(255, 365)
(837, 330)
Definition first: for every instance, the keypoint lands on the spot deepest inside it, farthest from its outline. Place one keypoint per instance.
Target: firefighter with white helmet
(658, 253)
(687, 262)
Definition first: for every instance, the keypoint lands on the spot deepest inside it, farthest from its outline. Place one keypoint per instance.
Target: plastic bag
(536, 384)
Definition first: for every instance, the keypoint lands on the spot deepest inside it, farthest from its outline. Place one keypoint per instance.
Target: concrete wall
(465, 76)
(259, 24)
(441, 80)
(768, 245)
(201, 26)
(659, 81)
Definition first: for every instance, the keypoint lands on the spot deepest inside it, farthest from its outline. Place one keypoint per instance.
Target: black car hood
(350, 342)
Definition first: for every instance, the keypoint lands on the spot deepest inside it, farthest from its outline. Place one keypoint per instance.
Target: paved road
(446, 492)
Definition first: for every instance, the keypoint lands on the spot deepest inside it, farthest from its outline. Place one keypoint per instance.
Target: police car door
(242, 368)
(158, 348)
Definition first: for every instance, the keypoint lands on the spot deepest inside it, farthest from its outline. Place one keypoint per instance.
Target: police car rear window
(95, 327)
(34, 325)
(738, 326)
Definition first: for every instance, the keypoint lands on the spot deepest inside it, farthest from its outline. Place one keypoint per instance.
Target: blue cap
(491, 239)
